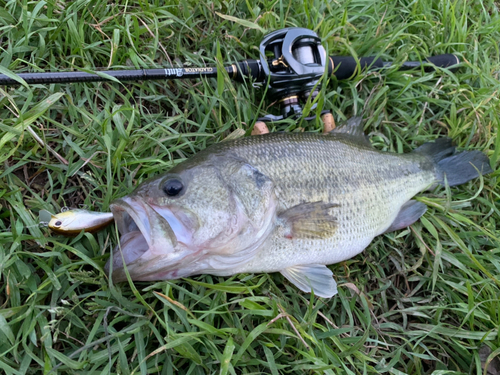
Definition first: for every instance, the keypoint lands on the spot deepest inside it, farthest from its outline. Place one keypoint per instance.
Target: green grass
(419, 301)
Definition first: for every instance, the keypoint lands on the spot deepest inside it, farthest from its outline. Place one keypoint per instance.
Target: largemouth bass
(284, 202)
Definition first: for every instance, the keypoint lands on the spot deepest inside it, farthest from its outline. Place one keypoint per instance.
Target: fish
(72, 222)
(281, 202)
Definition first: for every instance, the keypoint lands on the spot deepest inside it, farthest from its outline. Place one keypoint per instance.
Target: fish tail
(455, 167)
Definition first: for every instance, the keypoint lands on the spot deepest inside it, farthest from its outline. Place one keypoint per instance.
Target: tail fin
(458, 167)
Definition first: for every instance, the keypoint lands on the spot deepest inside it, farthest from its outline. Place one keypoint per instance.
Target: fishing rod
(291, 65)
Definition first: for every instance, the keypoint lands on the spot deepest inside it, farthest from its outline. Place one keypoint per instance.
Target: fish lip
(125, 220)
(127, 213)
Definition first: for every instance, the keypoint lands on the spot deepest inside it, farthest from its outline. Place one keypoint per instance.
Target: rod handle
(441, 61)
(246, 69)
(344, 67)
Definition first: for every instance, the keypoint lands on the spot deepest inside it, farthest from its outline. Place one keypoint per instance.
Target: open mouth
(133, 243)
(142, 233)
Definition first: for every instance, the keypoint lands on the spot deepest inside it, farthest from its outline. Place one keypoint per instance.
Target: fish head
(205, 217)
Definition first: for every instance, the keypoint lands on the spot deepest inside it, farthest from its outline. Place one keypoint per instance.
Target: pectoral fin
(310, 220)
(316, 277)
(410, 212)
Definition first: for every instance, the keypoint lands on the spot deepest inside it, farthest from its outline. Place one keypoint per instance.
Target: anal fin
(410, 212)
(316, 277)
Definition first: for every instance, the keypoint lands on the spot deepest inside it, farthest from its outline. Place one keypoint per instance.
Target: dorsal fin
(352, 129)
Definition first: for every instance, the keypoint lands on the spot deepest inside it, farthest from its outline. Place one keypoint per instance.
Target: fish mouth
(146, 241)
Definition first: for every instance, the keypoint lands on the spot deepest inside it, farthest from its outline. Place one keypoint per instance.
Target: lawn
(424, 300)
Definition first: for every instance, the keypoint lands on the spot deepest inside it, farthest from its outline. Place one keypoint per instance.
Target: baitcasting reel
(293, 62)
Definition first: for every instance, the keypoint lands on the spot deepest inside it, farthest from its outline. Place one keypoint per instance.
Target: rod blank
(120, 75)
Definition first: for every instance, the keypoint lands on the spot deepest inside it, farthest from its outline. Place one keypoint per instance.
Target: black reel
(293, 62)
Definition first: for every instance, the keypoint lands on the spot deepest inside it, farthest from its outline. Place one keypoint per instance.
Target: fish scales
(370, 186)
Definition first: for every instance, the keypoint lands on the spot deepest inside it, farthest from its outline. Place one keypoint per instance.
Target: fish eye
(58, 223)
(173, 187)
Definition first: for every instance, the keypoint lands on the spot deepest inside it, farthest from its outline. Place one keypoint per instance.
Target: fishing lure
(72, 222)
